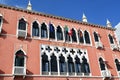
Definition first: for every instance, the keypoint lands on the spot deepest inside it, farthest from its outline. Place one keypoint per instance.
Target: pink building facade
(37, 46)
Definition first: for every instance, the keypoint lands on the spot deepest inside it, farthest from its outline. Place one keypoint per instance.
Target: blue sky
(96, 11)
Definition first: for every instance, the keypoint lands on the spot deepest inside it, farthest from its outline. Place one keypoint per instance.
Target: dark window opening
(85, 65)
(51, 31)
(67, 36)
(74, 39)
(111, 39)
(19, 58)
(102, 64)
(35, 29)
(87, 38)
(70, 65)
(22, 24)
(117, 64)
(59, 33)
(53, 63)
(62, 63)
(45, 63)
(44, 30)
(78, 65)
(96, 37)
(80, 36)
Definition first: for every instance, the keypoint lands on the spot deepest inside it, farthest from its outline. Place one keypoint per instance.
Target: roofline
(55, 17)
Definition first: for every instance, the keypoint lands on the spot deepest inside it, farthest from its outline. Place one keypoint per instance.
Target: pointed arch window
(87, 37)
(85, 66)
(44, 32)
(35, 29)
(80, 36)
(19, 58)
(74, 38)
(67, 36)
(53, 64)
(19, 64)
(59, 33)
(78, 65)
(62, 64)
(102, 64)
(22, 24)
(51, 31)
(45, 64)
(96, 37)
(111, 39)
(71, 68)
(117, 64)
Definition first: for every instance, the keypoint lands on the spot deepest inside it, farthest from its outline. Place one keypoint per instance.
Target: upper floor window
(111, 39)
(87, 37)
(35, 29)
(80, 36)
(51, 31)
(96, 37)
(44, 32)
(59, 33)
(22, 24)
(102, 64)
(73, 34)
(117, 64)
(67, 35)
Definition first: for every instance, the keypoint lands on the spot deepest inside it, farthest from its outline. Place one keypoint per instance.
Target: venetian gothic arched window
(44, 32)
(111, 39)
(85, 65)
(53, 61)
(59, 33)
(78, 65)
(96, 37)
(87, 37)
(19, 58)
(35, 29)
(117, 64)
(45, 64)
(102, 64)
(22, 24)
(62, 63)
(67, 36)
(51, 31)
(74, 38)
(80, 36)
(71, 68)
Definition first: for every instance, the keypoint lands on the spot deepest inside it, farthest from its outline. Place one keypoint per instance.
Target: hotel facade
(38, 46)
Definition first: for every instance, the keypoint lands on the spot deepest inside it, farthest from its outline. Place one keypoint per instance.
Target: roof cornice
(55, 17)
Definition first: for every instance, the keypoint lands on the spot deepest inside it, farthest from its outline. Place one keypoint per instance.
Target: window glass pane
(43, 31)
(111, 39)
(19, 59)
(51, 31)
(80, 36)
(74, 39)
(35, 29)
(87, 38)
(22, 24)
(59, 33)
(96, 37)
